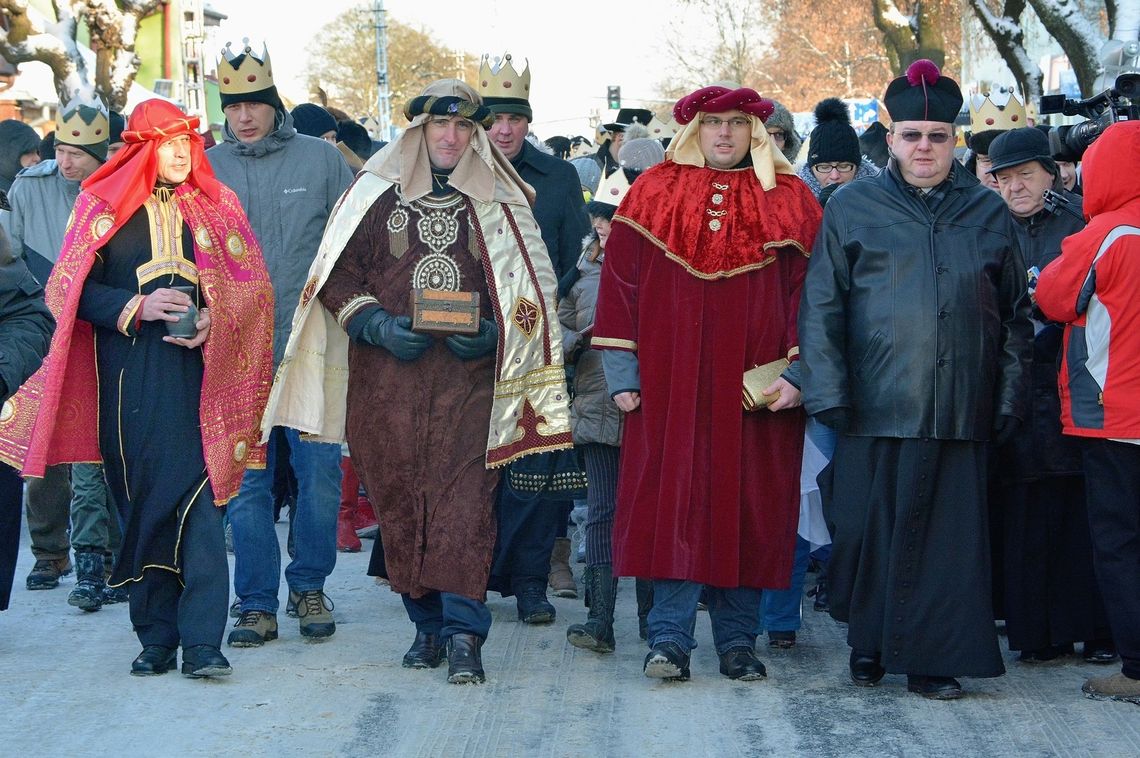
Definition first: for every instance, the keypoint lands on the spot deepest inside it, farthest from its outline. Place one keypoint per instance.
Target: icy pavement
(65, 691)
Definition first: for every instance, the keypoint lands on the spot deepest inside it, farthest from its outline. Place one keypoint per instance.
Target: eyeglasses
(737, 122)
(778, 134)
(936, 138)
(823, 169)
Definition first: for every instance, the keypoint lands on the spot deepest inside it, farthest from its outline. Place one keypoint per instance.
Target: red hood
(1109, 172)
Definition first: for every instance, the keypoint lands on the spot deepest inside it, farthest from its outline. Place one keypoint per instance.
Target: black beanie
(833, 140)
(118, 124)
(356, 137)
(313, 120)
(980, 142)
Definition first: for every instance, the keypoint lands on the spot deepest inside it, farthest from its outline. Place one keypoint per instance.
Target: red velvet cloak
(706, 492)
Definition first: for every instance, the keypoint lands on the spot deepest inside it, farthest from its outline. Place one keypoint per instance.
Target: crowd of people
(719, 351)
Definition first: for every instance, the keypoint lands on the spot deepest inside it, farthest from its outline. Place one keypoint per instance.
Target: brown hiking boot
(561, 579)
(314, 609)
(1115, 687)
(253, 629)
(46, 573)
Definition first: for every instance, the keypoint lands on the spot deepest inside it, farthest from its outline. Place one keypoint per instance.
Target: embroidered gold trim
(353, 306)
(716, 275)
(614, 342)
(127, 317)
(166, 259)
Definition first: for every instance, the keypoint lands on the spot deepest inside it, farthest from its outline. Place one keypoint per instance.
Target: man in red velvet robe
(702, 282)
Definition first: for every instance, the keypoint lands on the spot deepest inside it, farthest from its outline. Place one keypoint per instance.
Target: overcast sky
(572, 61)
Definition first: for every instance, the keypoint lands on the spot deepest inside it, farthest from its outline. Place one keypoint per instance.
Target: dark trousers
(445, 614)
(601, 498)
(163, 611)
(11, 498)
(527, 527)
(49, 513)
(1112, 483)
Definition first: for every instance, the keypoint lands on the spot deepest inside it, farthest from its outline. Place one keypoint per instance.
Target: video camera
(1119, 103)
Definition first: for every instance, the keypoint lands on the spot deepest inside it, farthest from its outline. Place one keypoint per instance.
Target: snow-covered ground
(65, 691)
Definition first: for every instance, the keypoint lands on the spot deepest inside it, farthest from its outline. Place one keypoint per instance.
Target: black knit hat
(312, 120)
(833, 140)
(980, 142)
(1019, 146)
(923, 94)
(118, 124)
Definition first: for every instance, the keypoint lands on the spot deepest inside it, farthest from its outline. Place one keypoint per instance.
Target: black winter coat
(916, 320)
(1039, 448)
(558, 208)
(26, 324)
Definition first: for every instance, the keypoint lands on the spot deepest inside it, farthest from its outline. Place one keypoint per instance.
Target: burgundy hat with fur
(720, 99)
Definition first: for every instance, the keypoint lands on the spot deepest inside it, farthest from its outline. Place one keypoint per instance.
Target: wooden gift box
(439, 311)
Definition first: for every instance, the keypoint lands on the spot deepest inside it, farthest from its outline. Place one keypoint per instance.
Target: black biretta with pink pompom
(923, 94)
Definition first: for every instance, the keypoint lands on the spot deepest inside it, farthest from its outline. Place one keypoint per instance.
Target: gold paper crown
(988, 112)
(612, 189)
(659, 129)
(83, 121)
(501, 79)
(243, 73)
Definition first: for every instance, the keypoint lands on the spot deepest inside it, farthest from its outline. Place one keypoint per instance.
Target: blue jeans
(445, 614)
(780, 609)
(733, 613)
(257, 554)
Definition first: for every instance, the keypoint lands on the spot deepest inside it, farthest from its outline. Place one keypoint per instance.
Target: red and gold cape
(718, 223)
(53, 419)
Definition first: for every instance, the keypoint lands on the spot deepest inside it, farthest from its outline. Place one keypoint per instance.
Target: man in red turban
(702, 282)
(154, 236)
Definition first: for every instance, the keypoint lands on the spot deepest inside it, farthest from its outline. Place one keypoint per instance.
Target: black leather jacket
(916, 320)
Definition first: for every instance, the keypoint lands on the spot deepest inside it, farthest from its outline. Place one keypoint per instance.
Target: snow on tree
(113, 27)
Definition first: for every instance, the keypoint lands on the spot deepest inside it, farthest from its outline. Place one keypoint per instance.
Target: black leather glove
(471, 346)
(394, 334)
(835, 418)
(1004, 429)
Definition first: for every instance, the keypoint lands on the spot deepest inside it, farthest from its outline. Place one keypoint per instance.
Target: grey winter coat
(288, 184)
(41, 201)
(594, 418)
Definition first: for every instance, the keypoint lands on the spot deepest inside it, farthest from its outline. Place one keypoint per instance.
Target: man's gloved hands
(1004, 429)
(835, 418)
(394, 334)
(471, 346)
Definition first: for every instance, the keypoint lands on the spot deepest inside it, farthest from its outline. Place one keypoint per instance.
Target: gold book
(759, 377)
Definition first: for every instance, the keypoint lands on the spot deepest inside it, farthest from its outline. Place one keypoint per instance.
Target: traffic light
(613, 97)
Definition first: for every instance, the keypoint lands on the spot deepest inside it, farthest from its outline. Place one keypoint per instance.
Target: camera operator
(1092, 288)
(1051, 596)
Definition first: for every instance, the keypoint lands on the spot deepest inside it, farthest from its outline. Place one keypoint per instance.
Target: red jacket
(1093, 287)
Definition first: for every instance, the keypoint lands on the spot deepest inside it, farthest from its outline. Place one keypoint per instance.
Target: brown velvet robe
(418, 430)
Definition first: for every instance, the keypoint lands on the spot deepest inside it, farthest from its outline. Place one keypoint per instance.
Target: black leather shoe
(934, 687)
(201, 661)
(533, 606)
(426, 652)
(866, 671)
(464, 664)
(667, 661)
(741, 663)
(154, 660)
